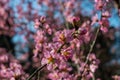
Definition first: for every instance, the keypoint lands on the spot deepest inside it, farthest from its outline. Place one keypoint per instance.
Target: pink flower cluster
(63, 48)
(6, 20)
(10, 69)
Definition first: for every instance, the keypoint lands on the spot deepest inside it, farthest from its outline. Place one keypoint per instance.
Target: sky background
(86, 9)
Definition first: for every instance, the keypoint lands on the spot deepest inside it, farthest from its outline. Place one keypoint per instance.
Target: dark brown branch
(36, 71)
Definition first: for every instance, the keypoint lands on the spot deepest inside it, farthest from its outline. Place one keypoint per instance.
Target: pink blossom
(104, 25)
(73, 19)
(3, 58)
(93, 68)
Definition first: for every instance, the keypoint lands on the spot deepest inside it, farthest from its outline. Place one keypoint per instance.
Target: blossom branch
(36, 71)
(59, 49)
(91, 48)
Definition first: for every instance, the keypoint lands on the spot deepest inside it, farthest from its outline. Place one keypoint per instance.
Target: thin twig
(92, 45)
(93, 78)
(38, 75)
(91, 48)
(36, 71)
(62, 10)
(59, 49)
